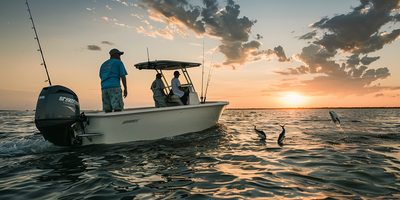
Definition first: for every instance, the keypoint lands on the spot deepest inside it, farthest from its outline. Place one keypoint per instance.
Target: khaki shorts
(112, 99)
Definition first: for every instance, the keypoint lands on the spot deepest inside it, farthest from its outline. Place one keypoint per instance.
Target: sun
(293, 99)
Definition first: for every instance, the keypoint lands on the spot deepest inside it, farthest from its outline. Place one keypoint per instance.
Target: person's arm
(123, 78)
(180, 87)
(162, 91)
(161, 87)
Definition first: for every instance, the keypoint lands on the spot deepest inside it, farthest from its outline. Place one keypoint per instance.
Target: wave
(25, 146)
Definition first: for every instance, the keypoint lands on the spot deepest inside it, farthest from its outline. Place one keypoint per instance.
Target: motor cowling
(57, 110)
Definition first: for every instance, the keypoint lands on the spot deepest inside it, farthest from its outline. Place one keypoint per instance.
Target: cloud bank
(222, 23)
(357, 33)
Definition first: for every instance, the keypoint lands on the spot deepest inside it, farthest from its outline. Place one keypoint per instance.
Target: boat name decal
(68, 100)
(130, 121)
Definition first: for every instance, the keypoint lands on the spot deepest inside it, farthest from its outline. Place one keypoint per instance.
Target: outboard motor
(57, 110)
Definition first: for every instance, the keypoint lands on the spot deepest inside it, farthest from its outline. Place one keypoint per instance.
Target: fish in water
(282, 135)
(260, 133)
(335, 118)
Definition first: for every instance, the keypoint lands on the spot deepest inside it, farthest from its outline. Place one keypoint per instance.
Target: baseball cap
(116, 51)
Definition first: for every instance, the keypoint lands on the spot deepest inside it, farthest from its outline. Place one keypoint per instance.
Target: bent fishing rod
(37, 39)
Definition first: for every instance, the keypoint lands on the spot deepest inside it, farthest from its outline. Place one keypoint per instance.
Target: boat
(60, 121)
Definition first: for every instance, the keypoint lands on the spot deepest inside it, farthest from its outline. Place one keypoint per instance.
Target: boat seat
(174, 100)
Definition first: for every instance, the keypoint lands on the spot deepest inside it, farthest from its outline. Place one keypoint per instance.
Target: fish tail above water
(282, 135)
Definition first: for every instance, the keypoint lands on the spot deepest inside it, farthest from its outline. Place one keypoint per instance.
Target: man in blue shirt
(111, 72)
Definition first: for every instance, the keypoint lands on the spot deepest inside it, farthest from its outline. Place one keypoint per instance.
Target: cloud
(259, 37)
(357, 33)
(105, 18)
(93, 48)
(140, 6)
(164, 33)
(136, 15)
(107, 42)
(195, 44)
(360, 30)
(222, 23)
(309, 35)
(332, 78)
(140, 29)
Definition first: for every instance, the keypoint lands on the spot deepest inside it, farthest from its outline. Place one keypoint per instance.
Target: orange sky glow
(263, 54)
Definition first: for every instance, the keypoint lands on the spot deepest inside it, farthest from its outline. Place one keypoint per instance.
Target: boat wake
(25, 146)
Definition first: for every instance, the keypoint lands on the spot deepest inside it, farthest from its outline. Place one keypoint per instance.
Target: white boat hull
(150, 123)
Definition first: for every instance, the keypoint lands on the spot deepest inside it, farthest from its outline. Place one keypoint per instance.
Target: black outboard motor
(57, 110)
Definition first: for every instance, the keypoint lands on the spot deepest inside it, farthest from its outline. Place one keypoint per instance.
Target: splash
(25, 146)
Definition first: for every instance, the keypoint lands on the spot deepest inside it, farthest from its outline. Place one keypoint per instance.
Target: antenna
(37, 39)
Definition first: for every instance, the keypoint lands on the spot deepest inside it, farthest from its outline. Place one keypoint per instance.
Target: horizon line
(339, 107)
(266, 108)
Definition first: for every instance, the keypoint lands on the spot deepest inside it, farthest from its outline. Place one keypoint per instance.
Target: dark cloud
(308, 36)
(93, 48)
(396, 18)
(259, 37)
(368, 60)
(107, 42)
(268, 54)
(280, 53)
(179, 12)
(339, 79)
(379, 95)
(359, 30)
(355, 60)
(223, 23)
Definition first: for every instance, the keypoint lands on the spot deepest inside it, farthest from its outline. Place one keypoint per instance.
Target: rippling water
(318, 160)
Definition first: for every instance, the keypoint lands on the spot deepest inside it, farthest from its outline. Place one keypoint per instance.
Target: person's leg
(105, 97)
(184, 99)
(157, 105)
(117, 102)
(161, 102)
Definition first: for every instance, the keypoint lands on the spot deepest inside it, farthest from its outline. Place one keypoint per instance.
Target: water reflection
(317, 161)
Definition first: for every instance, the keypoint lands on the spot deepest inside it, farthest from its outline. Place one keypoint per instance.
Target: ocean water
(318, 160)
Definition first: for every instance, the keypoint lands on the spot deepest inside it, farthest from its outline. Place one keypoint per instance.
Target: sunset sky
(264, 54)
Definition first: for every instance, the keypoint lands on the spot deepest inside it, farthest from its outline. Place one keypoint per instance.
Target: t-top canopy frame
(161, 65)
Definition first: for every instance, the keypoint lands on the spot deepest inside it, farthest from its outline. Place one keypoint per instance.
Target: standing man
(158, 92)
(111, 72)
(177, 89)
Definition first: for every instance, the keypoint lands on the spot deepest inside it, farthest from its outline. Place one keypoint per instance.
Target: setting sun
(293, 99)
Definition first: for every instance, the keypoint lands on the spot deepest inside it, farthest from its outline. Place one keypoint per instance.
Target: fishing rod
(37, 39)
(208, 79)
(202, 75)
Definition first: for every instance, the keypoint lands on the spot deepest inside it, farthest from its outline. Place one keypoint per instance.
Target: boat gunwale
(138, 110)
